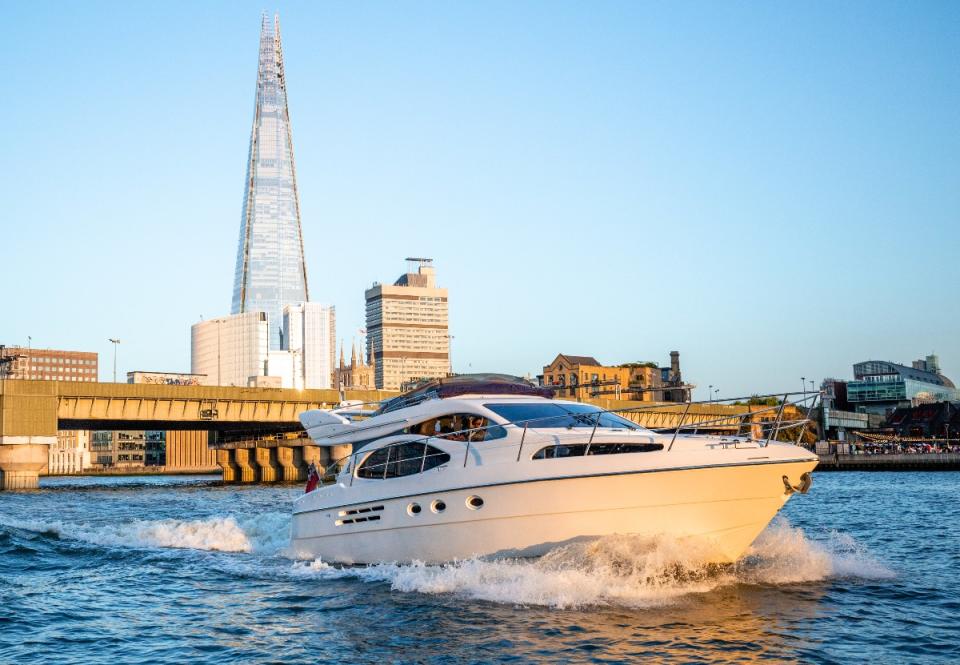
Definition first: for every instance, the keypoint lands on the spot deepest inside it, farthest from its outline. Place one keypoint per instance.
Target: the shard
(271, 271)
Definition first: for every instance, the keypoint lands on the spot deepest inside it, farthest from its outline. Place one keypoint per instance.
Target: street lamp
(115, 342)
(450, 353)
(716, 390)
(710, 393)
(811, 385)
(803, 385)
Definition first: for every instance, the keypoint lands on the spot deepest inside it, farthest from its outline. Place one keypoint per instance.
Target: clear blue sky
(773, 189)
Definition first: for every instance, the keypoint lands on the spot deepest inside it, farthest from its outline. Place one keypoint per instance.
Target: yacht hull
(723, 507)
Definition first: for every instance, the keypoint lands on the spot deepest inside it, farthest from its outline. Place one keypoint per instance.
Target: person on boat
(476, 426)
(313, 478)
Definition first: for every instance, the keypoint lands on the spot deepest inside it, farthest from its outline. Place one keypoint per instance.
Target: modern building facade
(309, 335)
(270, 269)
(880, 386)
(230, 350)
(408, 333)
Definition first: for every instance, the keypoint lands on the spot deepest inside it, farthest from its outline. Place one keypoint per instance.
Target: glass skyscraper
(270, 271)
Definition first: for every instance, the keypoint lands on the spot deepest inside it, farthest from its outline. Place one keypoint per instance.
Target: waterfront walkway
(890, 462)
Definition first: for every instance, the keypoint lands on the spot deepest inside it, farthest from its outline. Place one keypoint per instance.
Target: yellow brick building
(584, 376)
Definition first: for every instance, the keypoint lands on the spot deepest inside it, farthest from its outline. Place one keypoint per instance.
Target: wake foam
(266, 534)
(630, 571)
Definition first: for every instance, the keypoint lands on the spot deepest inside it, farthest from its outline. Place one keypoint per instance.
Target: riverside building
(881, 386)
(71, 452)
(585, 376)
(408, 334)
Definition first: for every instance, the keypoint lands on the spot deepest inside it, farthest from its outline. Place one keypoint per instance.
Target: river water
(865, 568)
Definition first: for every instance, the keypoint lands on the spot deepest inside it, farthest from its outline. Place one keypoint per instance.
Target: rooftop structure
(270, 271)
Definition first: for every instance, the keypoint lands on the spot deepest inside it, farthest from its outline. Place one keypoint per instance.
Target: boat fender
(806, 480)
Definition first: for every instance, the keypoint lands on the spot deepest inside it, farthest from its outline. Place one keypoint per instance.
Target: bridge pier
(266, 459)
(231, 473)
(247, 467)
(292, 468)
(22, 461)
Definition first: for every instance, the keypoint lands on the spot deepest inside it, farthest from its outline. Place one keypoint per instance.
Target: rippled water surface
(866, 568)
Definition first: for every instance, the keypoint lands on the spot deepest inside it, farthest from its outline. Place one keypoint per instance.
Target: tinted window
(403, 459)
(459, 427)
(580, 449)
(552, 414)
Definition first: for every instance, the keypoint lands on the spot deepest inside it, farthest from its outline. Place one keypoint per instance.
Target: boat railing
(754, 420)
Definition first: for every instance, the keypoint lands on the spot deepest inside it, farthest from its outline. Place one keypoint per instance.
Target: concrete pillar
(249, 470)
(266, 459)
(292, 468)
(231, 473)
(21, 463)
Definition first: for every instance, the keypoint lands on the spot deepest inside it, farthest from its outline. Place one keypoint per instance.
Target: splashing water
(619, 570)
(632, 571)
(265, 534)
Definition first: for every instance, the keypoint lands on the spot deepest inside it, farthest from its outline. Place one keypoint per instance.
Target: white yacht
(494, 466)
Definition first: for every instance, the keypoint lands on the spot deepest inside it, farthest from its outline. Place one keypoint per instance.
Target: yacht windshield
(552, 414)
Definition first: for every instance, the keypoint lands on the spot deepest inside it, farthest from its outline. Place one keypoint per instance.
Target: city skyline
(794, 236)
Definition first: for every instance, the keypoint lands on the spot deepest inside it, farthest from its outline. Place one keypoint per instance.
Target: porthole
(474, 502)
(413, 509)
(438, 506)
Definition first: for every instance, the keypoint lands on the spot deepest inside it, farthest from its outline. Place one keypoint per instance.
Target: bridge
(31, 412)
(255, 431)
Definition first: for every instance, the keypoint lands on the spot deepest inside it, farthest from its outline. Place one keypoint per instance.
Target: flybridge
(467, 384)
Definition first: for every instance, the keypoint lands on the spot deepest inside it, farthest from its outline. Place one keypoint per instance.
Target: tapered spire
(271, 271)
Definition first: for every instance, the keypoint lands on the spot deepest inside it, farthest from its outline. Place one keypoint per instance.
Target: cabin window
(400, 460)
(459, 427)
(580, 449)
(553, 414)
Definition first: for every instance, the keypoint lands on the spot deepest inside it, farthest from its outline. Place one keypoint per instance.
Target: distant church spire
(341, 355)
(270, 270)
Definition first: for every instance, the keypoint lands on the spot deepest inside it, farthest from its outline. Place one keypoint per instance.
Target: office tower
(270, 270)
(407, 328)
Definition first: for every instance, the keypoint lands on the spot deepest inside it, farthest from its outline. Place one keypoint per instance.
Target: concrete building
(408, 333)
(355, 376)
(22, 362)
(309, 334)
(585, 376)
(167, 378)
(70, 453)
(270, 270)
(230, 350)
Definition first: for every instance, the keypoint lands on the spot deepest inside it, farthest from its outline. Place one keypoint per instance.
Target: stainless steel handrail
(779, 426)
